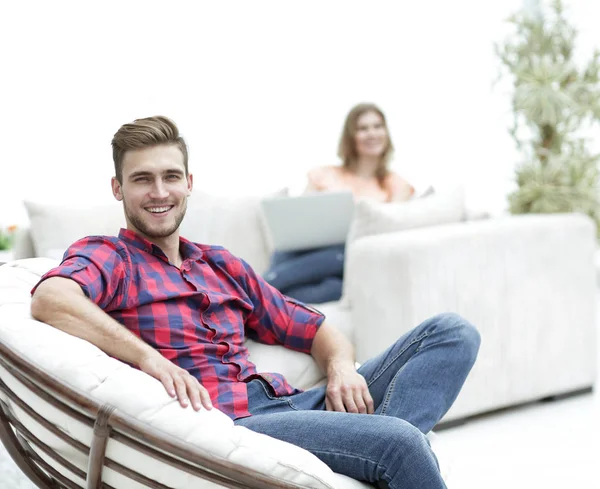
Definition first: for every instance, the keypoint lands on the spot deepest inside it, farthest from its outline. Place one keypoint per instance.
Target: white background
(259, 89)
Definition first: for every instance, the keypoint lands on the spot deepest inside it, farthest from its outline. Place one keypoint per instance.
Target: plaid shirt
(197, 316)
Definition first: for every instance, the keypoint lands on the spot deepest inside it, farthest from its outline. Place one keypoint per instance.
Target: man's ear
(116, 188)
(190, 184)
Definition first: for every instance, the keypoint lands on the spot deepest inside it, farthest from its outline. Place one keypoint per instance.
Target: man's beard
(143, 228)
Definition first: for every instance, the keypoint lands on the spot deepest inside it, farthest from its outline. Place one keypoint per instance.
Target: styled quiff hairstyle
(347, 146)
(144, 133)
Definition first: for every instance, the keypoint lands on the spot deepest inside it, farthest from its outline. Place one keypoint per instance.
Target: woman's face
(371, 136)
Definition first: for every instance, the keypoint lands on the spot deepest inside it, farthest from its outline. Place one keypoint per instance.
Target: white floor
(544, 445)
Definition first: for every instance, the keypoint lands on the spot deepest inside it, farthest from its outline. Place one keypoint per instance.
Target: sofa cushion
(110, 381)
(372, 218)
(235, 223)
(55, 227)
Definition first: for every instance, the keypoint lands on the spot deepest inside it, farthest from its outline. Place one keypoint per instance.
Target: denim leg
(280, 257)
(370, 448)
(305, 267)
(418, 378)
(328, 290)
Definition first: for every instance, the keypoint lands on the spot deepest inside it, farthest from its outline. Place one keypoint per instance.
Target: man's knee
(402, 436)
(462, 331)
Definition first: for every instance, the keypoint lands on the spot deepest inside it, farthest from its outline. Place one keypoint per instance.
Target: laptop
(308, 221)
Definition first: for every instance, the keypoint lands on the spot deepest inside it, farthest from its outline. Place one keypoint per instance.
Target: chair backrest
(31, 402)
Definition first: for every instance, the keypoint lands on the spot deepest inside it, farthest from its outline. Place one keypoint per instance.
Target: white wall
(259, 89)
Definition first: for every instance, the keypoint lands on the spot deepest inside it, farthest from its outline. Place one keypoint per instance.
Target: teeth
(158, 209)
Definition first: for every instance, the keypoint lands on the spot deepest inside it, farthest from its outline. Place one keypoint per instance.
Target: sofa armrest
(509, 277)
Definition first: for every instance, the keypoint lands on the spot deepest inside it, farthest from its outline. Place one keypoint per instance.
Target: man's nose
(159, 190)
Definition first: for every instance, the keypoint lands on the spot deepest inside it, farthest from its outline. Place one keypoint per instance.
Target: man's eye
(173, 177)
(142, 179)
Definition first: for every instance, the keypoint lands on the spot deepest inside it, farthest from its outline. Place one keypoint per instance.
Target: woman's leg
(280, 257)
(308, 267)
(328, 290)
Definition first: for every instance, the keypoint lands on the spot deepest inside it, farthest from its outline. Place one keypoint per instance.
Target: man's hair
(145, 133)
(347, 147)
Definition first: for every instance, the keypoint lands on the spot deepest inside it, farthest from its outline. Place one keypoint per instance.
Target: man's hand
(347, 391)
(177, 381)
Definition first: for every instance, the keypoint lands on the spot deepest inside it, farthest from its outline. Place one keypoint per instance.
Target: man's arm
(61, 303)
(347, 390)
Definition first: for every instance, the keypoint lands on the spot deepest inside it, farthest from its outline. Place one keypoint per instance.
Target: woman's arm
(398, 188)
(313, 178)
(320, 179)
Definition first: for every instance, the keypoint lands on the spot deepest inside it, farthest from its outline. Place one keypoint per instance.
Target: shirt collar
(187, 249)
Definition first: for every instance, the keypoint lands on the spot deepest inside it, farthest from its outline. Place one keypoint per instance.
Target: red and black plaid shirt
(197, 316)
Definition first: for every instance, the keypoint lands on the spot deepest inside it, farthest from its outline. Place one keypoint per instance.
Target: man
(181, 311)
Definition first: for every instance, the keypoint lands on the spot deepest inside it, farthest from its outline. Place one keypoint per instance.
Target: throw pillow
(232, 222)
(55, 227)
(373, 218)
(441, 207)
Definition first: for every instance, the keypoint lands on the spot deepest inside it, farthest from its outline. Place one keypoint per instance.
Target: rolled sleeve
(304, 322)
(276, 318)
(96, 265)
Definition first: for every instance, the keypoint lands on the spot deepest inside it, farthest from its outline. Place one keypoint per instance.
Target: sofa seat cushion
(83, 366)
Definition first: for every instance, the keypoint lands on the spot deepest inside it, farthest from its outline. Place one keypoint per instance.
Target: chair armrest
(500, 273)
(68, 369)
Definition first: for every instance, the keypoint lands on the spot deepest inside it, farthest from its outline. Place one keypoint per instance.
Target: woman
(365, 148)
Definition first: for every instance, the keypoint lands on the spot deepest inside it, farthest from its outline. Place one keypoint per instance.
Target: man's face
(154, 190)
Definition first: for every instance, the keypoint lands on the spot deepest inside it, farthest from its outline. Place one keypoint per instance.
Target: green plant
(554, 103)
(7, 237)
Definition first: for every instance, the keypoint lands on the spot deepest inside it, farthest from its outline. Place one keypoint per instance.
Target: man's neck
(169, 246)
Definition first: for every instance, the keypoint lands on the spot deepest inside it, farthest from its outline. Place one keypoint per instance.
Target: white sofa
(527, 283)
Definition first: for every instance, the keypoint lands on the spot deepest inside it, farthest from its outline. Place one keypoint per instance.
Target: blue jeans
(311, 276)
(413, 384)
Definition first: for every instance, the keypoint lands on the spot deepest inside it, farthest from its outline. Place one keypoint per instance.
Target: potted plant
(554, 103)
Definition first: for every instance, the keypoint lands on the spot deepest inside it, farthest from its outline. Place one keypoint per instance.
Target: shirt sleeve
(276, 318)
(98, 265)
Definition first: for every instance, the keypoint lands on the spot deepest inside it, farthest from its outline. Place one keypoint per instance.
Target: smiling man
(181, 311)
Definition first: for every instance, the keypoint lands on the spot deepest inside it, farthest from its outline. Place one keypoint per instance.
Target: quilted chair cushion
(85, 367)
